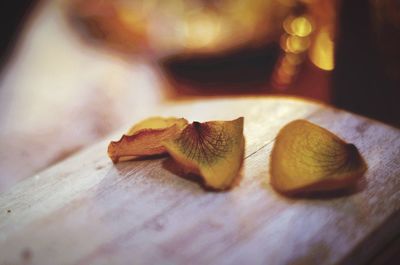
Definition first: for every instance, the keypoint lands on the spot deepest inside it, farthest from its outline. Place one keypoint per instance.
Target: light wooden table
(85, 210)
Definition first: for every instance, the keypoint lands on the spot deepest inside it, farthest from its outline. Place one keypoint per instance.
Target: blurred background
(74, 71)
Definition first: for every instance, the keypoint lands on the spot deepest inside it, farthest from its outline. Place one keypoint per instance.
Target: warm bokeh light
(287, 65)
(202, 30)
(301, 26)
(295, 41)
(297, 31)
(293, 59)
(287, 68)
(170, 27)
(158, 28)
(322, 52)
(296, 44)
(298, 26)
(283, 79)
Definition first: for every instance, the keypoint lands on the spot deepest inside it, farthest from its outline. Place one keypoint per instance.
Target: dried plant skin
(308, 158)
(214, 150)
(146, 138)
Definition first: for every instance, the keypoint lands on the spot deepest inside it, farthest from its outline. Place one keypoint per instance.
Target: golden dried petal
(145, 138)
(307, 158)
(157, 123)
(214, 150)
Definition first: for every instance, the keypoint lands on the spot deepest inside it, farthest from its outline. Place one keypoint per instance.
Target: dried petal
(214, 150)
(307, 158)
(145, 138)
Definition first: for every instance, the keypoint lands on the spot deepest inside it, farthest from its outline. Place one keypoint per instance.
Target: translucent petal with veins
(213, 150)
(308, 158)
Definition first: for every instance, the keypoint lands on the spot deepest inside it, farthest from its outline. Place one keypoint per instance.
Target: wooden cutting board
(85, 210)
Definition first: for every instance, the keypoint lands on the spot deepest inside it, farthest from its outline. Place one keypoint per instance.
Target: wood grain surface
(85, 210)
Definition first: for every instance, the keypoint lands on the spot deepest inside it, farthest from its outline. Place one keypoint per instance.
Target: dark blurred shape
(13, 14)
(366, 79)
(238, 71)
(385, 16)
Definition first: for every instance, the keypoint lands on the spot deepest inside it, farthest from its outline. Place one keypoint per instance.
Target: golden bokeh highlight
(295, 42)
(322, 52)
(298, 26)
(161, 28)
(202, 30)
(301, 26)
(194, 26)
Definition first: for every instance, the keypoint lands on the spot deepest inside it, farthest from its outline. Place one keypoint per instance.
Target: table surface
(86, 210)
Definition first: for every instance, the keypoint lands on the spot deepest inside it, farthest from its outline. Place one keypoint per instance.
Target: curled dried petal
(156, 123)
(145, 138)
(307, 158)
(213, 150)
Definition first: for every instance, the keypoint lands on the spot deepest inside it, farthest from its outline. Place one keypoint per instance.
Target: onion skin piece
(307, 158)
